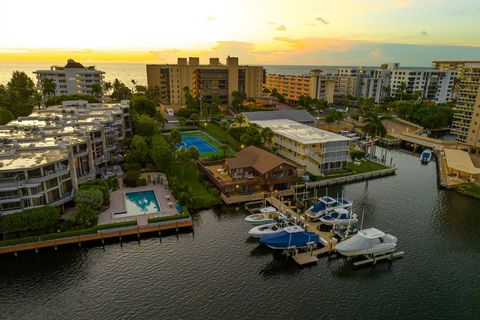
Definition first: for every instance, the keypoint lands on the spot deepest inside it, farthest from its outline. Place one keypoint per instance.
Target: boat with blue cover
(339, 216)
(426, 156)
(290, 239)
(326, 204)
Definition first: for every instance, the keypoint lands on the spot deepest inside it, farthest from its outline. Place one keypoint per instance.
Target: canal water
(218, 272)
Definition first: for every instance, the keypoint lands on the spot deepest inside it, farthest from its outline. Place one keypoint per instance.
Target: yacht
(368, 242)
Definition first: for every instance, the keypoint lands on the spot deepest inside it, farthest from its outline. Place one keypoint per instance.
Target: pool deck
(117, 202)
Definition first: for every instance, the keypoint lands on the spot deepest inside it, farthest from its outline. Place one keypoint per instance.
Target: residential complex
(366, 82)
(73, 78)
(300, 116)
(316, 151)
(46, 155)
(252, 171)
(466, 124)
(211, 82)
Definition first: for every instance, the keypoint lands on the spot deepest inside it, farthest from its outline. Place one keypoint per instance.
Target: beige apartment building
(466, 124)
(209, 81)
(329, 87)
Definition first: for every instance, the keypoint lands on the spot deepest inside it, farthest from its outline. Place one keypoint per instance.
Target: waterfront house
(252, 172)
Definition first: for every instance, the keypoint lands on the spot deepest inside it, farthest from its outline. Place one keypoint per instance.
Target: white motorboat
(266, 215)
(426, 156)
(273, 228)
(326, 204)
(339, 216)
(369, 242)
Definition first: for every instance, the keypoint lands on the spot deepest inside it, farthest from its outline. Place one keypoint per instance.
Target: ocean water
(218, 272)
(125, 72)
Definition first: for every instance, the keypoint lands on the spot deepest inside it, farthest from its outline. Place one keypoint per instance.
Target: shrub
(101, 185)
(112, 183)
(131, 178)
(33, 219)
(141, 182)
(169, 218)
(90, 197)
(85, 216)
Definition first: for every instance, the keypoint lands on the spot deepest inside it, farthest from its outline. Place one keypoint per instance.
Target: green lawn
(469, 189)
(364, 167)
(214, 142)
(218, 133)
(189, 173)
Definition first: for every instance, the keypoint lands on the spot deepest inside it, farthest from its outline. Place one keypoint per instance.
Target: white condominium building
(45, 156)
(432, 85)
(317, 151)
(73, 78)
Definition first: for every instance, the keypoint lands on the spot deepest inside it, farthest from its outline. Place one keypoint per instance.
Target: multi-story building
(322, 86)
(251, 172)
(434, 85)
(46, 155)
(289, 86)
(455, 65)
(210, 82)
(316, 151)
(73, 78)
(466, 124)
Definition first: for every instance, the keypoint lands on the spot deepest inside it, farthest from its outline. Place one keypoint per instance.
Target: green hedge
(33, 219)
(169, 218)
(48, 236)
(116, 225)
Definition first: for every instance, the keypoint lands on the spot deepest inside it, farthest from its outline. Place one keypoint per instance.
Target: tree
(153, 93)
(251, 136)
(19, 94)
(175, 137)
(85, 216)
(374, 126)
(5, 116)
(48, 87)
(120, 91)
(366, 106)
(144, 125)
(238, 97)
(161, 153)
(267, 135)
(42, 218)
(143, 105)
(182, 121)
(138, 150)
(107, 87)
(240, 120)
(182, 156)
(89, 197)
(97, 90)
(194, 118)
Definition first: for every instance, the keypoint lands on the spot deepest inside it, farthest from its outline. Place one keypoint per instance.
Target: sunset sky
(327, 32)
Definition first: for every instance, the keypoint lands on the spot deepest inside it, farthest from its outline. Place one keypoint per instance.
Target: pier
(100, 236)
(311, 254)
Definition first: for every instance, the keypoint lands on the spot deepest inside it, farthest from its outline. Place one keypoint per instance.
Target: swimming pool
(197, 142)
(141, 202)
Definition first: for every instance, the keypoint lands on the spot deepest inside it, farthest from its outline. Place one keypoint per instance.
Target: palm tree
(240, 119)
(96, 90)
(175, 136)
(48, 87)
(267, 135)
(107, 87)
(374, 126)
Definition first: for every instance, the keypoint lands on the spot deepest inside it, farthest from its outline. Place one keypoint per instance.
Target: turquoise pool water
(141, 202)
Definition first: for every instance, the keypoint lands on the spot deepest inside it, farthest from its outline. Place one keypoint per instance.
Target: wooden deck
(325, 237)
(99, 236)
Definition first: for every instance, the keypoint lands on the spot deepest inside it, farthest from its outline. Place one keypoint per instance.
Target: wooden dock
(310, 255)
(100, 236)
